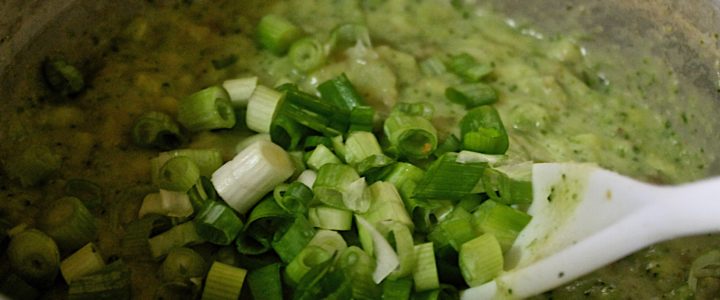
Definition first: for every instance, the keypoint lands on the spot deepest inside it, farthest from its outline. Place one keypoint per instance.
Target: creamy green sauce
(556, 100)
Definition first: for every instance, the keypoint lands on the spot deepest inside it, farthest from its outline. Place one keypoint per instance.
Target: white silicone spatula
(585, 217)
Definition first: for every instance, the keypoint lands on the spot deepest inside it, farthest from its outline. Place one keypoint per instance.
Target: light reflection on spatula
(585, 217)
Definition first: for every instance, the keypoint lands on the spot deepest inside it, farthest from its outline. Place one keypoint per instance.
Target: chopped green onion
(201, 193)
(227, 255)
(206, 160)
(313, 112)
(85, 261)
(244, 143)
(293, 198)
(329, 240)
(504, 222)
(254, 172)
(320, 157)
(286, 132)
(471, 202)
(262, 107)
(480, 259)
(411, 136)
(340, 91)
(472, 95)
(316, 140)
(112, 282)
(401, 238)
(267, 211)
(327, 217)
(182, 264)
(264, 220)
(291, 239)
(217, 223)
(157, 130)
(181, 235)
(338, 145)
(265, 282)
(276, 34)
(307, 178)
(240, 90)
(386, 205)
(432, 66)
(34, 165)
(483, 131)
(348, 35)
(297, 158)
(374, 164)
(455, 230)
(509, 184)
(486, 140)
(87, 191)
(450, 144)
(309, 257)
(63, 77)
(420, 109)
(223, 282)
(358, 269)
(341, 187)
(307, 54)
(34, 256)
(405, 177)
(426, 214)
(255, 244)
(386, 258)
(397, 289)
(166, 203)
(446, 178)
(468, 68)
(135, 244)
(68, 222)
(362, 118)
(179, 174)
(360, 145)
(314, 284)
(425, 274)
(176, 204)
(465, 157)
(206, 110)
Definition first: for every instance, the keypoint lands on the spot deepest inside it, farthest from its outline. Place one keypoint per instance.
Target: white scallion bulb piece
(253, 172)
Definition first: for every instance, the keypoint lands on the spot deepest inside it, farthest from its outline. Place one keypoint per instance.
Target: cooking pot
(683, 34)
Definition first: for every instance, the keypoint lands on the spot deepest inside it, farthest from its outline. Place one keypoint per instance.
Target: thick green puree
(559, 102)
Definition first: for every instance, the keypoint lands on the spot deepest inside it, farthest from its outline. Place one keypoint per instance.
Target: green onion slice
(412, 136)
(157, 130)
(206, 110)
(218, 224)
(68, 222)
(265, 282)
(276, 34)
(182, 264)
(481, 259)
(223, 282)
(34, 256)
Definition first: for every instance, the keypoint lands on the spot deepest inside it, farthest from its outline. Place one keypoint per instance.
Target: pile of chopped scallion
(328, 200)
